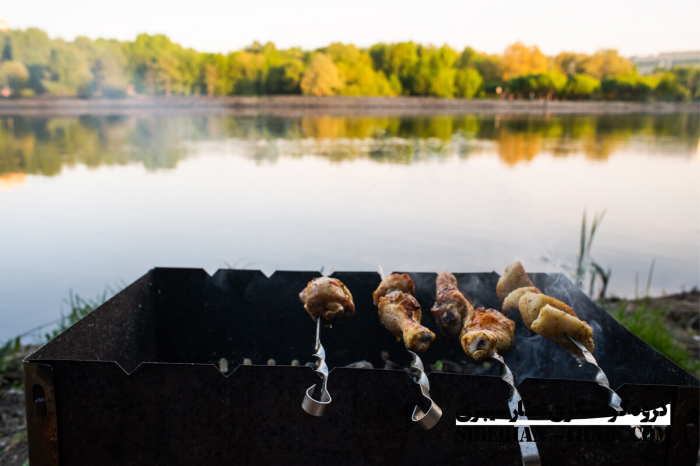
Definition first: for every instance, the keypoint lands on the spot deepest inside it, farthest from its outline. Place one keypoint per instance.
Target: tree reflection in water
(43, 146)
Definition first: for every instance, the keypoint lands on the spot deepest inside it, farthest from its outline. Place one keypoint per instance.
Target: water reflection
(44, 146)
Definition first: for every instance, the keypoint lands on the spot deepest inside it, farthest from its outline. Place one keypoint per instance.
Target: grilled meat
(451, 306)
(486, 331)
(513, 278)
(401, 315)
(328, 299)
(394, 282)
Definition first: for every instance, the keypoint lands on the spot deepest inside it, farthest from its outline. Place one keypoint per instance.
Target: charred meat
(486, 331)
(451, 306)
(328, 299)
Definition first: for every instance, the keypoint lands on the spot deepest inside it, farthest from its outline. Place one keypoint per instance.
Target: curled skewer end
(313, 406)
(425, 419)
(428, 419)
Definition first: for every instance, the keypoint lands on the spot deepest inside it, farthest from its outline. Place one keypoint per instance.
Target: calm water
(92, 202)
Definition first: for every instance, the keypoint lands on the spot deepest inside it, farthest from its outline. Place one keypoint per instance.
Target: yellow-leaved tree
(321, 77)
(606, 64)
(519, 60)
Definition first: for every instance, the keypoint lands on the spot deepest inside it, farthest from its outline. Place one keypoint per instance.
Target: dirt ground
(683, 314)
(13, 440)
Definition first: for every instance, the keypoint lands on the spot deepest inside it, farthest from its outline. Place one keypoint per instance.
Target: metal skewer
(312, 405)
(432, 415)
(528, 450)
(428, 418)
(614, 399)
(316, 406)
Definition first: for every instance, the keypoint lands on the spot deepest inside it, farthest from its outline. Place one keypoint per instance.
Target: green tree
(467, 83)
(467, 59)
(69, 72)
(690, 78)
(321, 77)
(108, 63)
(356, 71)
(31, 47)
(398, 62)
(157, 65)
(434, 72)
(671, 88)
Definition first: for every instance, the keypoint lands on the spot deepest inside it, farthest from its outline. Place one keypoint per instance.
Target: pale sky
(634, 28)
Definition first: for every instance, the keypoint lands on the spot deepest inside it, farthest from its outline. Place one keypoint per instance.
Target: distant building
(666, 60)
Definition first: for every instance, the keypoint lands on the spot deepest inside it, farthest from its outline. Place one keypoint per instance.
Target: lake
(94, 202)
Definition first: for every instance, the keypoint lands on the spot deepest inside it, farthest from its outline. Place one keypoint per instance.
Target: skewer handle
(601, 379)
(432, 415)
(311, 405)
(528, 450)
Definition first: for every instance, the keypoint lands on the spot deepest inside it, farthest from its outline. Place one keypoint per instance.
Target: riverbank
(304, 105)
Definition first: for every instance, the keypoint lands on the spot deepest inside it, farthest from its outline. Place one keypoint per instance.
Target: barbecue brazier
(137, 382)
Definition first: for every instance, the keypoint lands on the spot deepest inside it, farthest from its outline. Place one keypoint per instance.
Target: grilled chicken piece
(401, 315)
(328, 299)
(513, 278)
(451, 306)
(555, 324)
(553, 320)
(486, 331)
(394, 282)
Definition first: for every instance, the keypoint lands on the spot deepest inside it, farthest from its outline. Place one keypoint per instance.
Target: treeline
(33, 64)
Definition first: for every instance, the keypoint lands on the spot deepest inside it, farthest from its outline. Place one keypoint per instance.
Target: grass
(10, 357)
(78, 308)
(9, 363)
(650, 325)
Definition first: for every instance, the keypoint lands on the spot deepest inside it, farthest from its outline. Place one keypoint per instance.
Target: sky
(634, 28)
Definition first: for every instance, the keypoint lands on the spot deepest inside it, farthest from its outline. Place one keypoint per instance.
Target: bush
(547, 85)
(14, 75)
(581, 86)
(630, 87)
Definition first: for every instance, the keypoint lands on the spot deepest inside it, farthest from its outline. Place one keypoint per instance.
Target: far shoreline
(291, 106)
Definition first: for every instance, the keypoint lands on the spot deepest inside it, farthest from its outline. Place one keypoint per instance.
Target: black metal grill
(137, 382)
